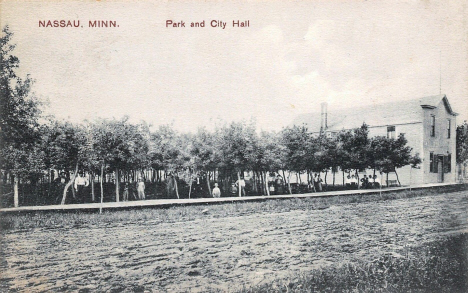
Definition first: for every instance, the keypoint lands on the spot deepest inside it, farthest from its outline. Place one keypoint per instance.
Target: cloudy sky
(293, 56)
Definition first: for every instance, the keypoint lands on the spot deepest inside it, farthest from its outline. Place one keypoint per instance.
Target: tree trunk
(15, 191)
(326, 173)
(117, 192)
(380, 189)
(266, 184)
(254, 179)
(334, 173)
(239, 184)
(190, 187)
(262, 183)
(358, 181)
(387, 178)
(398, 179)
(92, 186)
(102, 188)
(208, 183)
(227, 181)
(50, 183)
(259, 183)
(284, 180)
(68, 184)
(373, 177)
(289, 183)
(73, 189)
(176, 188)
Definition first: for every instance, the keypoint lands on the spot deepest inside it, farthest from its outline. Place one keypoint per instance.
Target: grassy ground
(436, 267)
(190, 213)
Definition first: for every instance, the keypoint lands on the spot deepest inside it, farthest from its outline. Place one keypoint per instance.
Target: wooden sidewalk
(159, 203)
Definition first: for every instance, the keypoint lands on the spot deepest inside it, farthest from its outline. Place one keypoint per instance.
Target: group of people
(140, 190)
(365, 182)
(275, 185)
(318, 182)
(81, 182)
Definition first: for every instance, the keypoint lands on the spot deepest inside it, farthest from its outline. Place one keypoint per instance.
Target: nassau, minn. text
(64, 23)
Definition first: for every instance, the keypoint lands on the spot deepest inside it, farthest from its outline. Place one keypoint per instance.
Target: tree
(296, 141)
(462, 145)
(333, 156)
(389, 154)
(266, 157)
(168, 152)
(202, 155)
(235, 144)
(65, 147)
(19, 113)
(328, 155)
(355, 145)
(119, 145)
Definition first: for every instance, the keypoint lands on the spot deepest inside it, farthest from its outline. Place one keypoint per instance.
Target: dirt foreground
(221, 253)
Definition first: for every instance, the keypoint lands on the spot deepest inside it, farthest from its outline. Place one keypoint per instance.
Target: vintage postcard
(233, 146)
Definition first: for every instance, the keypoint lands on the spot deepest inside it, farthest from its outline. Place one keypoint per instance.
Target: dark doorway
(440, 169)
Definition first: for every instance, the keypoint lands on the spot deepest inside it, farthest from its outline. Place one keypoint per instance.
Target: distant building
(429, 125)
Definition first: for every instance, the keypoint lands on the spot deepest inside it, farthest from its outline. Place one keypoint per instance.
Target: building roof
(391, 113)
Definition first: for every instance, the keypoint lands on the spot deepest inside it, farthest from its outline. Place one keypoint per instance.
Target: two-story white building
(429, 125)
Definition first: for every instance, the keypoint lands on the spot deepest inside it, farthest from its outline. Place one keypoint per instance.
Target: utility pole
(440, 72)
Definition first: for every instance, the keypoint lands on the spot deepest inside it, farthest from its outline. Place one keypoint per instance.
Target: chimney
(323, 121)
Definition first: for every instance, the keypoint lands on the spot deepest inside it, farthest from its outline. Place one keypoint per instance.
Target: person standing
(365, 182)
(216, 191)
(141, 189)
(125, 192)
(319, 183)
(241, 184)
(80, 183)
(279, 184)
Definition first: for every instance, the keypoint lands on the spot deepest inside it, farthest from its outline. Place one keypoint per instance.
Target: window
(331, 134)
(432, 125)
(449, 126)
(390, 131)
(431, 162)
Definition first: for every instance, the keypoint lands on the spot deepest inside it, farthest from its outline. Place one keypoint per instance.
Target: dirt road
(222, 253)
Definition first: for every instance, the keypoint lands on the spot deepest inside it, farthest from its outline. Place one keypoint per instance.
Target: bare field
(220, 251)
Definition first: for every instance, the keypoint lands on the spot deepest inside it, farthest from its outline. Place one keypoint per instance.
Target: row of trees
(32, 145)
(122, 148)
